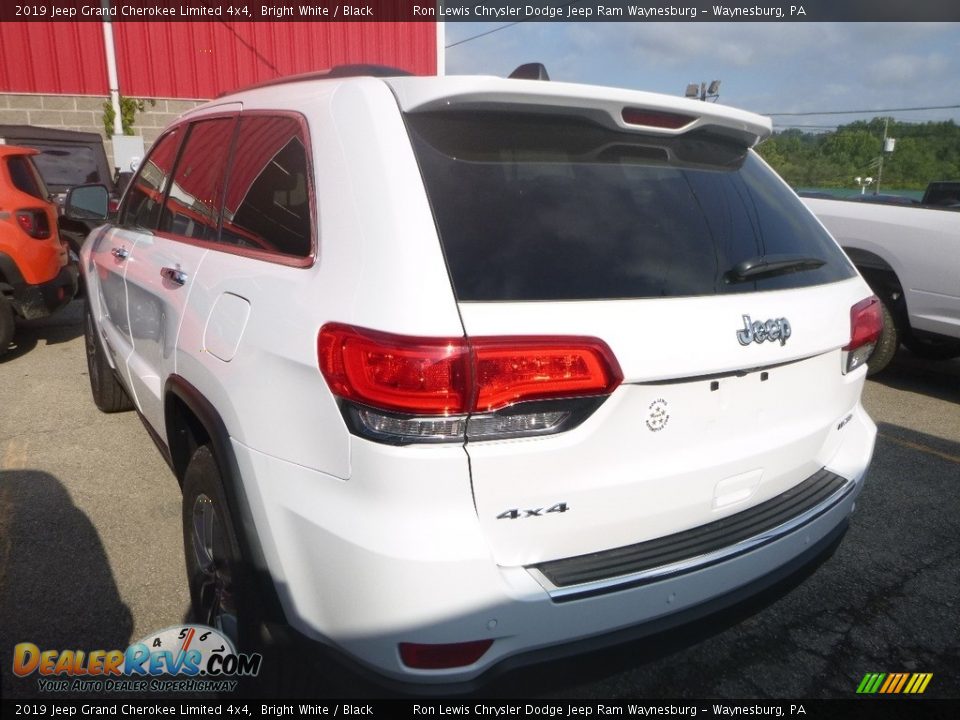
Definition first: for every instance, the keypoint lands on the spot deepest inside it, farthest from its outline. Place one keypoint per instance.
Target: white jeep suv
(454, 369)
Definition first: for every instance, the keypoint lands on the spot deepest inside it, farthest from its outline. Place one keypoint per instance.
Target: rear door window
(546, 207)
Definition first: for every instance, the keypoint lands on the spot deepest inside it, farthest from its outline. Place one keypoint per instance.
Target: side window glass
(145, 197)
(25, 176)
(192, 208)
(267, 204)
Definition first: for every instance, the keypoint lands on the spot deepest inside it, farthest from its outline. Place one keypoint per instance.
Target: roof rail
(530, 71)
(337, 71)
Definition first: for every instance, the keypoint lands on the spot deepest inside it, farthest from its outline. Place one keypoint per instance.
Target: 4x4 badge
(757, 331)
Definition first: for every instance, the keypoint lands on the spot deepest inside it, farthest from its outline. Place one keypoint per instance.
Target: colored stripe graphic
(869, 683)
(894, 683)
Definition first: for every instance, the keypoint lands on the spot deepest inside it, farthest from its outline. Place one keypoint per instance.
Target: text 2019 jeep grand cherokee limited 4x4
(453, 369)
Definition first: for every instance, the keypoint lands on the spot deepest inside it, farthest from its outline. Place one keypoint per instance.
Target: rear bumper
(396, 555)
(37, 301)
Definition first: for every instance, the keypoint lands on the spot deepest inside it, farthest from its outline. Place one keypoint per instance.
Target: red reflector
(34, 223)
(866, 323)
(438, 657)
(449, 376)
(656, 118)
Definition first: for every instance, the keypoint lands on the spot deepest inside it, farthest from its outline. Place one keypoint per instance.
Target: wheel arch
(192, 421)
(879, 274)
(9, 274)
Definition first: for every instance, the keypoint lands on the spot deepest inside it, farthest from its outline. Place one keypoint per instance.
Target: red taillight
(438, 657)
(415, 375)
(511, 370)
(113, 205)
(655, 118)
(866, 323)
(449, 376)
(34, 223)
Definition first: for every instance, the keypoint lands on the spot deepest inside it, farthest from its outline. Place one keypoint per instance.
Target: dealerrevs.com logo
(182, 658)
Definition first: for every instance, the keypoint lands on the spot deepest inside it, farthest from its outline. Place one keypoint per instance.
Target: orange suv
(35, 276)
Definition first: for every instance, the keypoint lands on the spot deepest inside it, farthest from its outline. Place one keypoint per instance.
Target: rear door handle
(174, 275)
(120, 253)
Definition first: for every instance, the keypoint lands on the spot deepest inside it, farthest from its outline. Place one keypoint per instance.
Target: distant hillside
(924, 152)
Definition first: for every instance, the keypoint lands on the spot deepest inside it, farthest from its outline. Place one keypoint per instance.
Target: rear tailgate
(647, 223)
(702, 427)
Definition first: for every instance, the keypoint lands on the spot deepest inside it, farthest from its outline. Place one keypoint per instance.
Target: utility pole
(887, 147)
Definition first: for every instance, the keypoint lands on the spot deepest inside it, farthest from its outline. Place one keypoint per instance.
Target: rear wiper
(770, 266)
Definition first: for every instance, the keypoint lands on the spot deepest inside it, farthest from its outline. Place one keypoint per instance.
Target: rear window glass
(545, 207)
(25, 177)
(66, 166)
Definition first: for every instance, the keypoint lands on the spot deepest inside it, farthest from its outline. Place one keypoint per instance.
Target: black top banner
(491, 709)
(640, 11)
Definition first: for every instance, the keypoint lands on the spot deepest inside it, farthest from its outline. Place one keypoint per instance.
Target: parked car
(460, 370)
(886, 199)
(942, 194)
(35, 276)
(911, 258)
(66, 158)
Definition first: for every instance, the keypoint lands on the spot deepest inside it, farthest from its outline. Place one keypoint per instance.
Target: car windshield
(547, 207)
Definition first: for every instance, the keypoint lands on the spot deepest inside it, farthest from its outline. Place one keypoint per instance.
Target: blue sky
(764, 67)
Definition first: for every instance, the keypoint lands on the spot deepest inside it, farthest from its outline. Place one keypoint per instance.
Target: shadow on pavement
(936, 379)
(61, 327)
(56, 587)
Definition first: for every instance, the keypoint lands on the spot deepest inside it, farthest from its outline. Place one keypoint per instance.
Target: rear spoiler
(625, 110)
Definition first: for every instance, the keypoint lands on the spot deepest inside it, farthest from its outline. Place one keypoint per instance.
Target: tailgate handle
(174, 275)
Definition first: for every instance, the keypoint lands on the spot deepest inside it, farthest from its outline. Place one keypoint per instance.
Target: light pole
(702, 91)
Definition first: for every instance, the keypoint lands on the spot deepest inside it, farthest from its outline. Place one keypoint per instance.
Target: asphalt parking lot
(91, 552)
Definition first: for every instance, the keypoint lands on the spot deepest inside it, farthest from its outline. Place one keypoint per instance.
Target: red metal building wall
(199, 59)
(52, 58)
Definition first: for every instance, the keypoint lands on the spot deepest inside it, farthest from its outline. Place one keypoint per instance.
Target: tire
(223, 591)
(932, 348)
(108, 394)
(212, 552)
(887, 343)
(6, 324)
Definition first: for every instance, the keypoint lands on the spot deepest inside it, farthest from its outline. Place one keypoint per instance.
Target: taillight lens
(34, 223)
(439, 657)
(866, 324)
(512, 370)
(443, 389)
(428, 376)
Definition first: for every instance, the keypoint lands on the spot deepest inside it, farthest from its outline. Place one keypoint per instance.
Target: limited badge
(658, 417)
